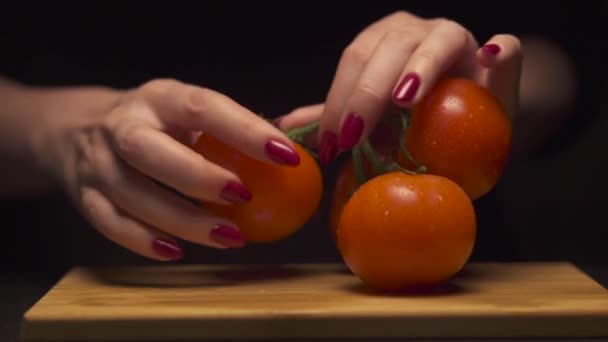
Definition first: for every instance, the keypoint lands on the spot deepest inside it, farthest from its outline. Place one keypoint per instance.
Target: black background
(273, 57)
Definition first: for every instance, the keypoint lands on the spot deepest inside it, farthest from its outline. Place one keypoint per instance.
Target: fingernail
(407, 88)
(492, 49)
(281, 153)
(328, 147)
(167, 249)
(227, 236)
(352, 128)
(235, 192)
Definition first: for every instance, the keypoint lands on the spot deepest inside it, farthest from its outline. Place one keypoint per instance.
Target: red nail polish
(352, 128)
(407, 88)
(167, 249)
(328, 147)
(281, 153)
(235, 192)
(227, 236)
(491, 49)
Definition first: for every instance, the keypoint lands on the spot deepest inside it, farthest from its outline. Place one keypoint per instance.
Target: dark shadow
(470, 271)
(195, 275)
(442, 289)
(259, 273)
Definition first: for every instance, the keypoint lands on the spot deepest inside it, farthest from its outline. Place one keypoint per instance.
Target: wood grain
(198, 302)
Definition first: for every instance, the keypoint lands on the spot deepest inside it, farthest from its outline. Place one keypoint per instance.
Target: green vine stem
(372, 157)
(300, 133)
(366, 150)
(405, 124)
(358, 165)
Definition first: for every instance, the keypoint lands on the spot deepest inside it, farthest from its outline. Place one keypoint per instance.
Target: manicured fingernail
(235, 192)
(352, 128)
(328, 147)
(227, 236)
(167, 249)
(407, 88)
(492, 49)
(281, 153)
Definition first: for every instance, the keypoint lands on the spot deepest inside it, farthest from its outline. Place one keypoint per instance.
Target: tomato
(461, 131)
(399, 231)
(284, 198)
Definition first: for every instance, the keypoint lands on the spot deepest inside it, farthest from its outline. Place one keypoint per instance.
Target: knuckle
(196, 103)
(158, 84)
(128, 139)
(455, 28)
(356, 54)
(427, 57)
(107, 174)
(114, 117)
(405, 40)
(438, 20)
(369, 91)
(91, 159)
(401, 16)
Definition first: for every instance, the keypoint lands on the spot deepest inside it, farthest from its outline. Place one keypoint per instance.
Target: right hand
(394, 63)
(111, 161)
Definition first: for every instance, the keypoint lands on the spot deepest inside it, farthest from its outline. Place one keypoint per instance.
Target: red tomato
(284, 198)
(461, 131)
(400, 231)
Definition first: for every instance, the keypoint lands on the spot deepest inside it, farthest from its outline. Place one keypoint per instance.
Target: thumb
(499, 69)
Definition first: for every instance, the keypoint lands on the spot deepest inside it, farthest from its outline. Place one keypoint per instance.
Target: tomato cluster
(402, 212)
(404, 228)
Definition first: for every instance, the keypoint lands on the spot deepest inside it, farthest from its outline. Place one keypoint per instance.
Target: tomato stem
(405, 124)
(397, 167)
(358, 165)
(298, 134)
(372, 157)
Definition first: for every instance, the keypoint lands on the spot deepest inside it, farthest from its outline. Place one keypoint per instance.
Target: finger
(193, 108)
(500, 65)
(125, 231)
(299, 117)
(148, 202)
(372, 94)
(352, 62)
(158, 155)
(440, 51)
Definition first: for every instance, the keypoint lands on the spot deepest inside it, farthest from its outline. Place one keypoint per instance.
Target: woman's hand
(394, 62)
(113, 158)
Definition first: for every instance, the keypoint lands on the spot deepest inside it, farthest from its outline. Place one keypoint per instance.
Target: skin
(285, 198)
(400, 231)
(110, 149)
(460, 131)
(374, 64)
(124, 157)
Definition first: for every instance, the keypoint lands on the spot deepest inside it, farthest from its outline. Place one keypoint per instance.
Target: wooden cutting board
(202, 302)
